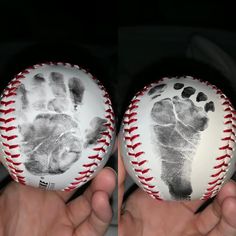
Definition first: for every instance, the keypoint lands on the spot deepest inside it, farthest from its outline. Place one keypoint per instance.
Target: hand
(28, 211)
(143, 215)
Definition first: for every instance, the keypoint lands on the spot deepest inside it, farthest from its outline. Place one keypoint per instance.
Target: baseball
(56, 126)
(178, 139)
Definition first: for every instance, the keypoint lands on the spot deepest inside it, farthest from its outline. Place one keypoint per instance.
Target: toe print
(188, 92)
(178, 126)
(52, 140)
(210, 106)
(201, 97)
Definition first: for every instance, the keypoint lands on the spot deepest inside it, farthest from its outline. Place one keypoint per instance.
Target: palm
(29, 211)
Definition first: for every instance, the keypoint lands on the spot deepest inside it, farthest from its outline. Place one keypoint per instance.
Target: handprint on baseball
(52, 141)
(178, 126)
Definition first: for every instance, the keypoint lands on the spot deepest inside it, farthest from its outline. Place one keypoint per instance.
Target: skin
(30, 211)
(141, 215)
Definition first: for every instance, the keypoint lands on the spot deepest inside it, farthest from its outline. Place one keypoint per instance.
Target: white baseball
(57, 126)
(178, 139)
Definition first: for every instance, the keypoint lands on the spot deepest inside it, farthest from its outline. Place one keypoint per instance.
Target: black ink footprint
(51, 142)
(179, 123)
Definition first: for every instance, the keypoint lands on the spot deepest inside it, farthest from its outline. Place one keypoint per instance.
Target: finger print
(23, 96)
(38, 79)
(59, 103)
(57, 84)
(76, 89)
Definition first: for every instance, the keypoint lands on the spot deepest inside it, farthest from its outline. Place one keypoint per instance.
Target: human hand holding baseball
(27, 211)
(143, 215)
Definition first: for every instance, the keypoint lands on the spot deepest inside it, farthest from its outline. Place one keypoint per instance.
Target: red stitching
(218, 173)
(130, 121)
(151, 191)
(223, 164)
(10, 89)
(9, 95)
(109, 117)
(91, 164)
(100, 149)
(222, 157)
(136, 154)
(103, 141)
(15, 82)
(10, 146)
(229, 131)
(142, 171)
(130, 115)
(226, 147)
(132, 138)
(109, 126)
(147, 185)
(130, 130)
(145, 179)
(95, 157)
(13, 162)
(16, 170)
(133, 107)
(106, 133)
(139, 163)
(15, 156)
(86, 172)
(228, 116)
(7, 111)
(7, 129)
(227, 139)
(82, 177)
(7, 120)
(215, 181)
(7, 103)
(133, 146)
(8, 138)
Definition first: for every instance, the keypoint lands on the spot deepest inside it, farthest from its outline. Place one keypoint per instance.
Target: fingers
(80, 208)
(104, 181)
(99, 219)
(208, 221)
(121, 181)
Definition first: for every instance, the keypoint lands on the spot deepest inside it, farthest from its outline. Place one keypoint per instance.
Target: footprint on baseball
(52, 141)
(178, 126)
